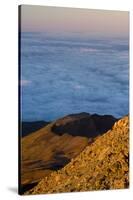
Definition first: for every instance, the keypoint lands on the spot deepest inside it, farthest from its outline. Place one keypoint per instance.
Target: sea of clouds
(65, 75)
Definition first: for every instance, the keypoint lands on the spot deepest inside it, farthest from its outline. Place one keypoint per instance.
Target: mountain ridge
(53, 146)
(28, 127)
(104, 164)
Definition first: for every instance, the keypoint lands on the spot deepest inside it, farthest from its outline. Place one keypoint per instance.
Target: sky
(74, 20)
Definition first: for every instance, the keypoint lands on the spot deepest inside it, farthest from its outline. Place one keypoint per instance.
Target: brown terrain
(47, 150)
(29, 127)
(101, 165)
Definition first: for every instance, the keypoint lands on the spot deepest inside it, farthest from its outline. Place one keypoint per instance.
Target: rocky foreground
(52, 147)
(101, 165)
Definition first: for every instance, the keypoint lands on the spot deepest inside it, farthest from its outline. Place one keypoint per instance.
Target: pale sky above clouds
(85, 21)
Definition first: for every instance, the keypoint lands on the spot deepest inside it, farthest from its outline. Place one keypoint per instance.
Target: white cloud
(24, 82)
(82, 50)
(78, 86)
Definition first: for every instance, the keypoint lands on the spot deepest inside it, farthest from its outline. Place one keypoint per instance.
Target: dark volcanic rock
(84, 124)
(103, 123)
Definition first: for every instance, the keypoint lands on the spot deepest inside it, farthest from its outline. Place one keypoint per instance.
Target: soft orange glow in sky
(85, 21)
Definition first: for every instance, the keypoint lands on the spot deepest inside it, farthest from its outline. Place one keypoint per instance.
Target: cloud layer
(71, 75)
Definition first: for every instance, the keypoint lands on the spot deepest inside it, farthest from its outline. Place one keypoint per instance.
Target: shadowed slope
(29, 127)
(102, 165)
(83, 124)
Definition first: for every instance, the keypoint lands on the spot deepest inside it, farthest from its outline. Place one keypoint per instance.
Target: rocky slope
(101, 165)
(52, 147)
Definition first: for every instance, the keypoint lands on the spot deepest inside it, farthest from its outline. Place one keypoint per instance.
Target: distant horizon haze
(92, 22)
